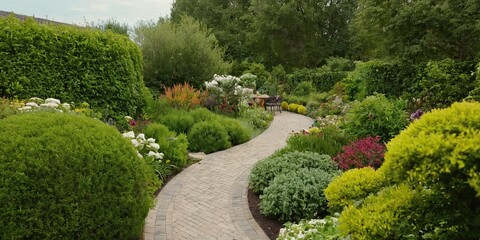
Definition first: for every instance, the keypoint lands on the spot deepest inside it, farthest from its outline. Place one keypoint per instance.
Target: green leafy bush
(445, 82)
(208, 137)
(376, 116)
(67, 176)
(304, 88)
(440, 152)
(322, 79)
(236, 131)
(72, 64)
(256, 117)
(173, 146)
(382, 216)
(329, 141)
(297, 194)
(267, 169)
(179, 121)
(352, 186)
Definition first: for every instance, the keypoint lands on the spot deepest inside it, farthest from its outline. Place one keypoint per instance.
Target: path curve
(208, 200)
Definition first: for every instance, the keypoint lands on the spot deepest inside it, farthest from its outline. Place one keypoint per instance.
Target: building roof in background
(23, 17)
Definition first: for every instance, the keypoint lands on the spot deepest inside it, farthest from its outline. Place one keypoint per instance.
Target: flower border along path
(208, 200)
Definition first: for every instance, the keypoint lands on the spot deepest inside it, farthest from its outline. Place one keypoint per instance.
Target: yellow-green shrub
(381, 216)
(302, 110)
(352, 187)
(285, 105)
(292, 107)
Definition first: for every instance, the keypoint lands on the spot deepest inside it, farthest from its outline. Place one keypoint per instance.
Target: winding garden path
(208, 200)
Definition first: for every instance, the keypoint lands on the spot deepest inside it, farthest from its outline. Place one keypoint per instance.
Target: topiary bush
(297, 194)
(352, 187)
(72, 64)
(69, 177)
(440, 152)
(382, 216)
(302, 110)
(237, 133)
(179, 121)
(208, 137)
(293, 107)
(376, 116)
(284, 105)
(267, 169)
(174, 146)
(365, 152)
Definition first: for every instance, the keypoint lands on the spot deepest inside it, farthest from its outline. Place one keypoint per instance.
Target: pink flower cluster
(365, 152)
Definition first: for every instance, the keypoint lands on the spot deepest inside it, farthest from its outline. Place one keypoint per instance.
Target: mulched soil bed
(270, 226)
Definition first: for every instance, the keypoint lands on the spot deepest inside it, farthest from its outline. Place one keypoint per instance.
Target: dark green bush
(208, 137)
(445, 82)
(174, 146)
(69, 177)
(297, 194)
(376, 116)
(71, 64)
(391, 79)
(266, 170)
(236, 131)
(440, 152)
(304, 88)
(323, 79)
(329, 141)
(352, 187)
(179, 121)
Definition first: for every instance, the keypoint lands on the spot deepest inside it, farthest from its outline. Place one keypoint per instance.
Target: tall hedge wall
(72, 64)
(323, 80)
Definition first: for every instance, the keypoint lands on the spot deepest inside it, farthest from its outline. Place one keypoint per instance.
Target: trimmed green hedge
(67, 176)
(322, 79)
(72, 64)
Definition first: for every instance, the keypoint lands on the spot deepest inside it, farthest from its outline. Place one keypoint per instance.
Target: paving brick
(208, 200)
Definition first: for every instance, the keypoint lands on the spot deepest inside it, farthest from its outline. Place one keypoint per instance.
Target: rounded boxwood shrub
(285, 105)
(293, 107)
(202, 114)
(208, 137)
(382, 216)
(302, 110)
(297, 194)
(351, 187)
(266, 170)
(236, 131)
(376, 116)
(440, 151)
(173, 146)
(69, 177)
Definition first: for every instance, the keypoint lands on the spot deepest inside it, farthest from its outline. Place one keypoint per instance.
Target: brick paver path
(208, 200)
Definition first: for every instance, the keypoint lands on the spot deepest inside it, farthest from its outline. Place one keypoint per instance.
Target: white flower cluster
(227, 84)
(311, 229)
(36, 103)
(145, 147)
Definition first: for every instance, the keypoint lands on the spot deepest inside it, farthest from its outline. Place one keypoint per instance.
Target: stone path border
(208, 200)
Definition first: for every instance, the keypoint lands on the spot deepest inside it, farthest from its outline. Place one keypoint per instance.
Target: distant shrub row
(72, 64)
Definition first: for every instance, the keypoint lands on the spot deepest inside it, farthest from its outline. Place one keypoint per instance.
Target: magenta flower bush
(365, 152)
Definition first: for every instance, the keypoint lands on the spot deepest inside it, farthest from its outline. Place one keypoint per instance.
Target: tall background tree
(179, 52)
(300, 33)
(225, 18)
(417, 30)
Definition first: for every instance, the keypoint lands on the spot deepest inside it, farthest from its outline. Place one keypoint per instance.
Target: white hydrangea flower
(139, 155)
(52, 100)
(31, 104)
(154, 146)
(66, 105)
(26, 108)
(130, 134)
(151, 140)
(49, 104)
(151, 153)
(135, 142)
(141, 136)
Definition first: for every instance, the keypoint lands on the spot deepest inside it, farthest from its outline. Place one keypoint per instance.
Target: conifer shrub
(352, 187)
(237, 132)
(267, 169)
(179, 121)
(208, 137)
(67, 176)
(381, 216)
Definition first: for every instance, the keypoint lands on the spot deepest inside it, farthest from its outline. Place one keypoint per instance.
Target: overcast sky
(81, 11)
